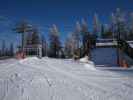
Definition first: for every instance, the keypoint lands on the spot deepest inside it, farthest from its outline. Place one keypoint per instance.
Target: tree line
(81, 40)
(6, 51)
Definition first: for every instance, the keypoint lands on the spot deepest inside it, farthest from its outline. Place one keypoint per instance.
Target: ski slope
(56, 79)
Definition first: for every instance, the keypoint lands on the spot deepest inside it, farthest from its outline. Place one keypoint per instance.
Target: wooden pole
(118, 46)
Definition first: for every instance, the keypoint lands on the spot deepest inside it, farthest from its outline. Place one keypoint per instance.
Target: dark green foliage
(23, 27)
(124, 46)
(3, 48)
(130, 36)
(6, 51)
(107, 34)
(55, 44)
(44, 46)
(11, 50)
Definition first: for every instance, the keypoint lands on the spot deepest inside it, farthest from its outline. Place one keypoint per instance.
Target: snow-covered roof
(131, 45)
(130, 41)
(106, 44)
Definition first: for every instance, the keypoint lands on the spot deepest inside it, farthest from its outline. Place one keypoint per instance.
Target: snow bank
(84, 59)
(88, 64)
(29, 59)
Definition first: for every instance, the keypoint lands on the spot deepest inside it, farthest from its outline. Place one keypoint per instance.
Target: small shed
(34, 49)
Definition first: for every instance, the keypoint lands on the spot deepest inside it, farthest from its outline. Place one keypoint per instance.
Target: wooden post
(40, 52)
(118, 45)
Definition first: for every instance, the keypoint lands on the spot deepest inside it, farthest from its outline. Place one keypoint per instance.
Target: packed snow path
(54, 79)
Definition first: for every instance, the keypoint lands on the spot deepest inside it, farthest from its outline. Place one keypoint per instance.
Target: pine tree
(0, 53)
(35, 36)
(75, 39)
(131, 21)
(107, 31)
(55, 44)
(121, 27)
(113, 25)
(3, 48)
(6, 52)
(44, 46)
(85, 39)
(23, 27)
(130, 35)
(84, 32)
(76, 35)
(69, 46)
(102, 31)
(96, 26)
(11, 51)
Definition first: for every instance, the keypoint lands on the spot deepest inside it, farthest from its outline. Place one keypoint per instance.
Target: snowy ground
(130, 43)
(54, 79)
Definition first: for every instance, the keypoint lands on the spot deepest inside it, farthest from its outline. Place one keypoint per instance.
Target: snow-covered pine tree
(3, 48)
(107, 31)
(11, 51)
(69, 46)
(23, 27)
(84, 26)
(96, 26)
(44, 46)
(0, 53)
(55, 44)
(102, 31)
(35, 36)
(85, 38)
(73, 41)
(113, 25)
(130, 35)
(77, 35)
(84, 32)
(121, 27)
(131, 21)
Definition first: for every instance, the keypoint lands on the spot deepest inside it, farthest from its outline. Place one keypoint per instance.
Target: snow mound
(88, 64)
(29, 59)
(84, 59)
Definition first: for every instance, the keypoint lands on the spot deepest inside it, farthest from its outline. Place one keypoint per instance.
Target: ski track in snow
(55, 79)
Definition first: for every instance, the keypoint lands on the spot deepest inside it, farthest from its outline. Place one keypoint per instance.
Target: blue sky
(63, 13)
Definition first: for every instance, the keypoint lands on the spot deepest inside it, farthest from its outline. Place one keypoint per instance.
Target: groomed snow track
(55, 79)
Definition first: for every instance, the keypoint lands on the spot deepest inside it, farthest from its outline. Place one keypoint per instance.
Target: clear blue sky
(64, 13)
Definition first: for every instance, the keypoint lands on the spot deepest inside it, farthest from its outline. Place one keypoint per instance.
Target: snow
(88, 64)
(106, 44)
(58, 79)
(84, 59)
(131, 45)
